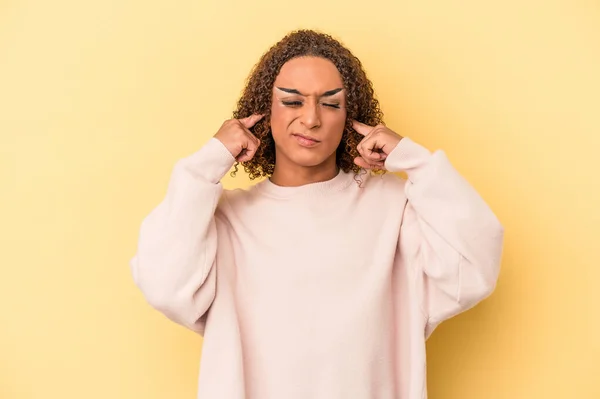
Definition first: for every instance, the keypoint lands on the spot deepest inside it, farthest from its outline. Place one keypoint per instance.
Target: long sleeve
(177, 245)
(457, 238)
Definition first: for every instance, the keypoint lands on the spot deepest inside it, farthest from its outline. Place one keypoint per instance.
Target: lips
(306, 141)
(308, 138)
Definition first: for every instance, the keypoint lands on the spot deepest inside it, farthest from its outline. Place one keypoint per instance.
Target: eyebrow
(328, 93)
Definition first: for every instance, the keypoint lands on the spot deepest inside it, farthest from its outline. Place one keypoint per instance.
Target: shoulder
(237, 200)
(383, 191)
(383, 183)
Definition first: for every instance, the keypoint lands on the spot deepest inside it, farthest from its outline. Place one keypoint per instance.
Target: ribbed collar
(338, 183)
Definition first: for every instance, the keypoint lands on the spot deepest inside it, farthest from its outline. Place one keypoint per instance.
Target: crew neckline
(335, 184)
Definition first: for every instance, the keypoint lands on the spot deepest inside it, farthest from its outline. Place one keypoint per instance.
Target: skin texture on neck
(308, 103)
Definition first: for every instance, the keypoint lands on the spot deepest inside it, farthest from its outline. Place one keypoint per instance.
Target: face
(308, 112)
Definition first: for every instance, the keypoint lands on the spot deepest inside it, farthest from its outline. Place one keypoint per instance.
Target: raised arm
(174, 265)
(456, 238)
(459, 239)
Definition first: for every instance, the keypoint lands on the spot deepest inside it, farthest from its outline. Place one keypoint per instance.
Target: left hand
(378, 143)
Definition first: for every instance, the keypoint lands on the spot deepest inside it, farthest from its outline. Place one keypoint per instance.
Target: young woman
(323, 280)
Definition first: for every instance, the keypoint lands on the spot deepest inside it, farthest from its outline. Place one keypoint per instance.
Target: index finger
(251, 120)
(361, 128)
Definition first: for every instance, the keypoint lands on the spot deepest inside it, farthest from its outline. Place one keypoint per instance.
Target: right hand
(236, 137)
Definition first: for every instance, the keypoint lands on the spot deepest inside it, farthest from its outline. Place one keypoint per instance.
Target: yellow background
(98, 99)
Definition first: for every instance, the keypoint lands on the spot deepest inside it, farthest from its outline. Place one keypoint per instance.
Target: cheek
(336, 121)
(280, 119)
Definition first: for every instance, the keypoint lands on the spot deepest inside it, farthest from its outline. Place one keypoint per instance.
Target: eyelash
(299, 103)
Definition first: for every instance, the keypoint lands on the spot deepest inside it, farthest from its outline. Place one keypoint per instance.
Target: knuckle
(239, 131)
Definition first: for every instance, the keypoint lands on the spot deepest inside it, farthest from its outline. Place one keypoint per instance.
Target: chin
(308, 160)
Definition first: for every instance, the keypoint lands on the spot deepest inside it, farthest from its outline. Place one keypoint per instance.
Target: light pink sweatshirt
(323, 291)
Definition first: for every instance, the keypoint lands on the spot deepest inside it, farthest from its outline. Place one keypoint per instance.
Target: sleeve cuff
(211, 162)
(409, 157)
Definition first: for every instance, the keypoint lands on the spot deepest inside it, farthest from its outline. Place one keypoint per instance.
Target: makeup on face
(293, 98)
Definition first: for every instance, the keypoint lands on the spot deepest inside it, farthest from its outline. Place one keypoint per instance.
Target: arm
(174, 266)
(458, 238)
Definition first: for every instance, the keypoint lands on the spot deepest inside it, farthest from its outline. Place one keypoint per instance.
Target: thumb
(251, 120)
(248, 153)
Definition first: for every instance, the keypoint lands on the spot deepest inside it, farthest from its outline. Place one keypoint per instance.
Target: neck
(289, 175)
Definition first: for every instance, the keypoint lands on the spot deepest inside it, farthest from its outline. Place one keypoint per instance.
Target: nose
(311, 117)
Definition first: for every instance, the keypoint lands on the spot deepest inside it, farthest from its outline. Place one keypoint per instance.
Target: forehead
(310, 75)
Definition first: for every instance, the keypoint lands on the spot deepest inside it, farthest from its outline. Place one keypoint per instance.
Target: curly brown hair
(256, 97)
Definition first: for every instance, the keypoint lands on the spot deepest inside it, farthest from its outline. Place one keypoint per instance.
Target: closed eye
(299, 103)
(292, 103)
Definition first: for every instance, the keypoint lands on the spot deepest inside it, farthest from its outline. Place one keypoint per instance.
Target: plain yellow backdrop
(98, 99)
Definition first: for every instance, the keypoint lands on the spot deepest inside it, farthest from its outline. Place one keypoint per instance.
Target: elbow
(487, 264)
(155, 293)
(178, 305)
(475, 287)
(160, 300)
(485, 286)
(494, 257)
(184, 303)
(479, 277)
(174, 306)
(479, 281)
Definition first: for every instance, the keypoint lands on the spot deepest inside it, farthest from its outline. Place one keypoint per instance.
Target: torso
(310, 277)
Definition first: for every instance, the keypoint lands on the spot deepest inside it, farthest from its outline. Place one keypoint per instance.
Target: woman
(322, 280)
